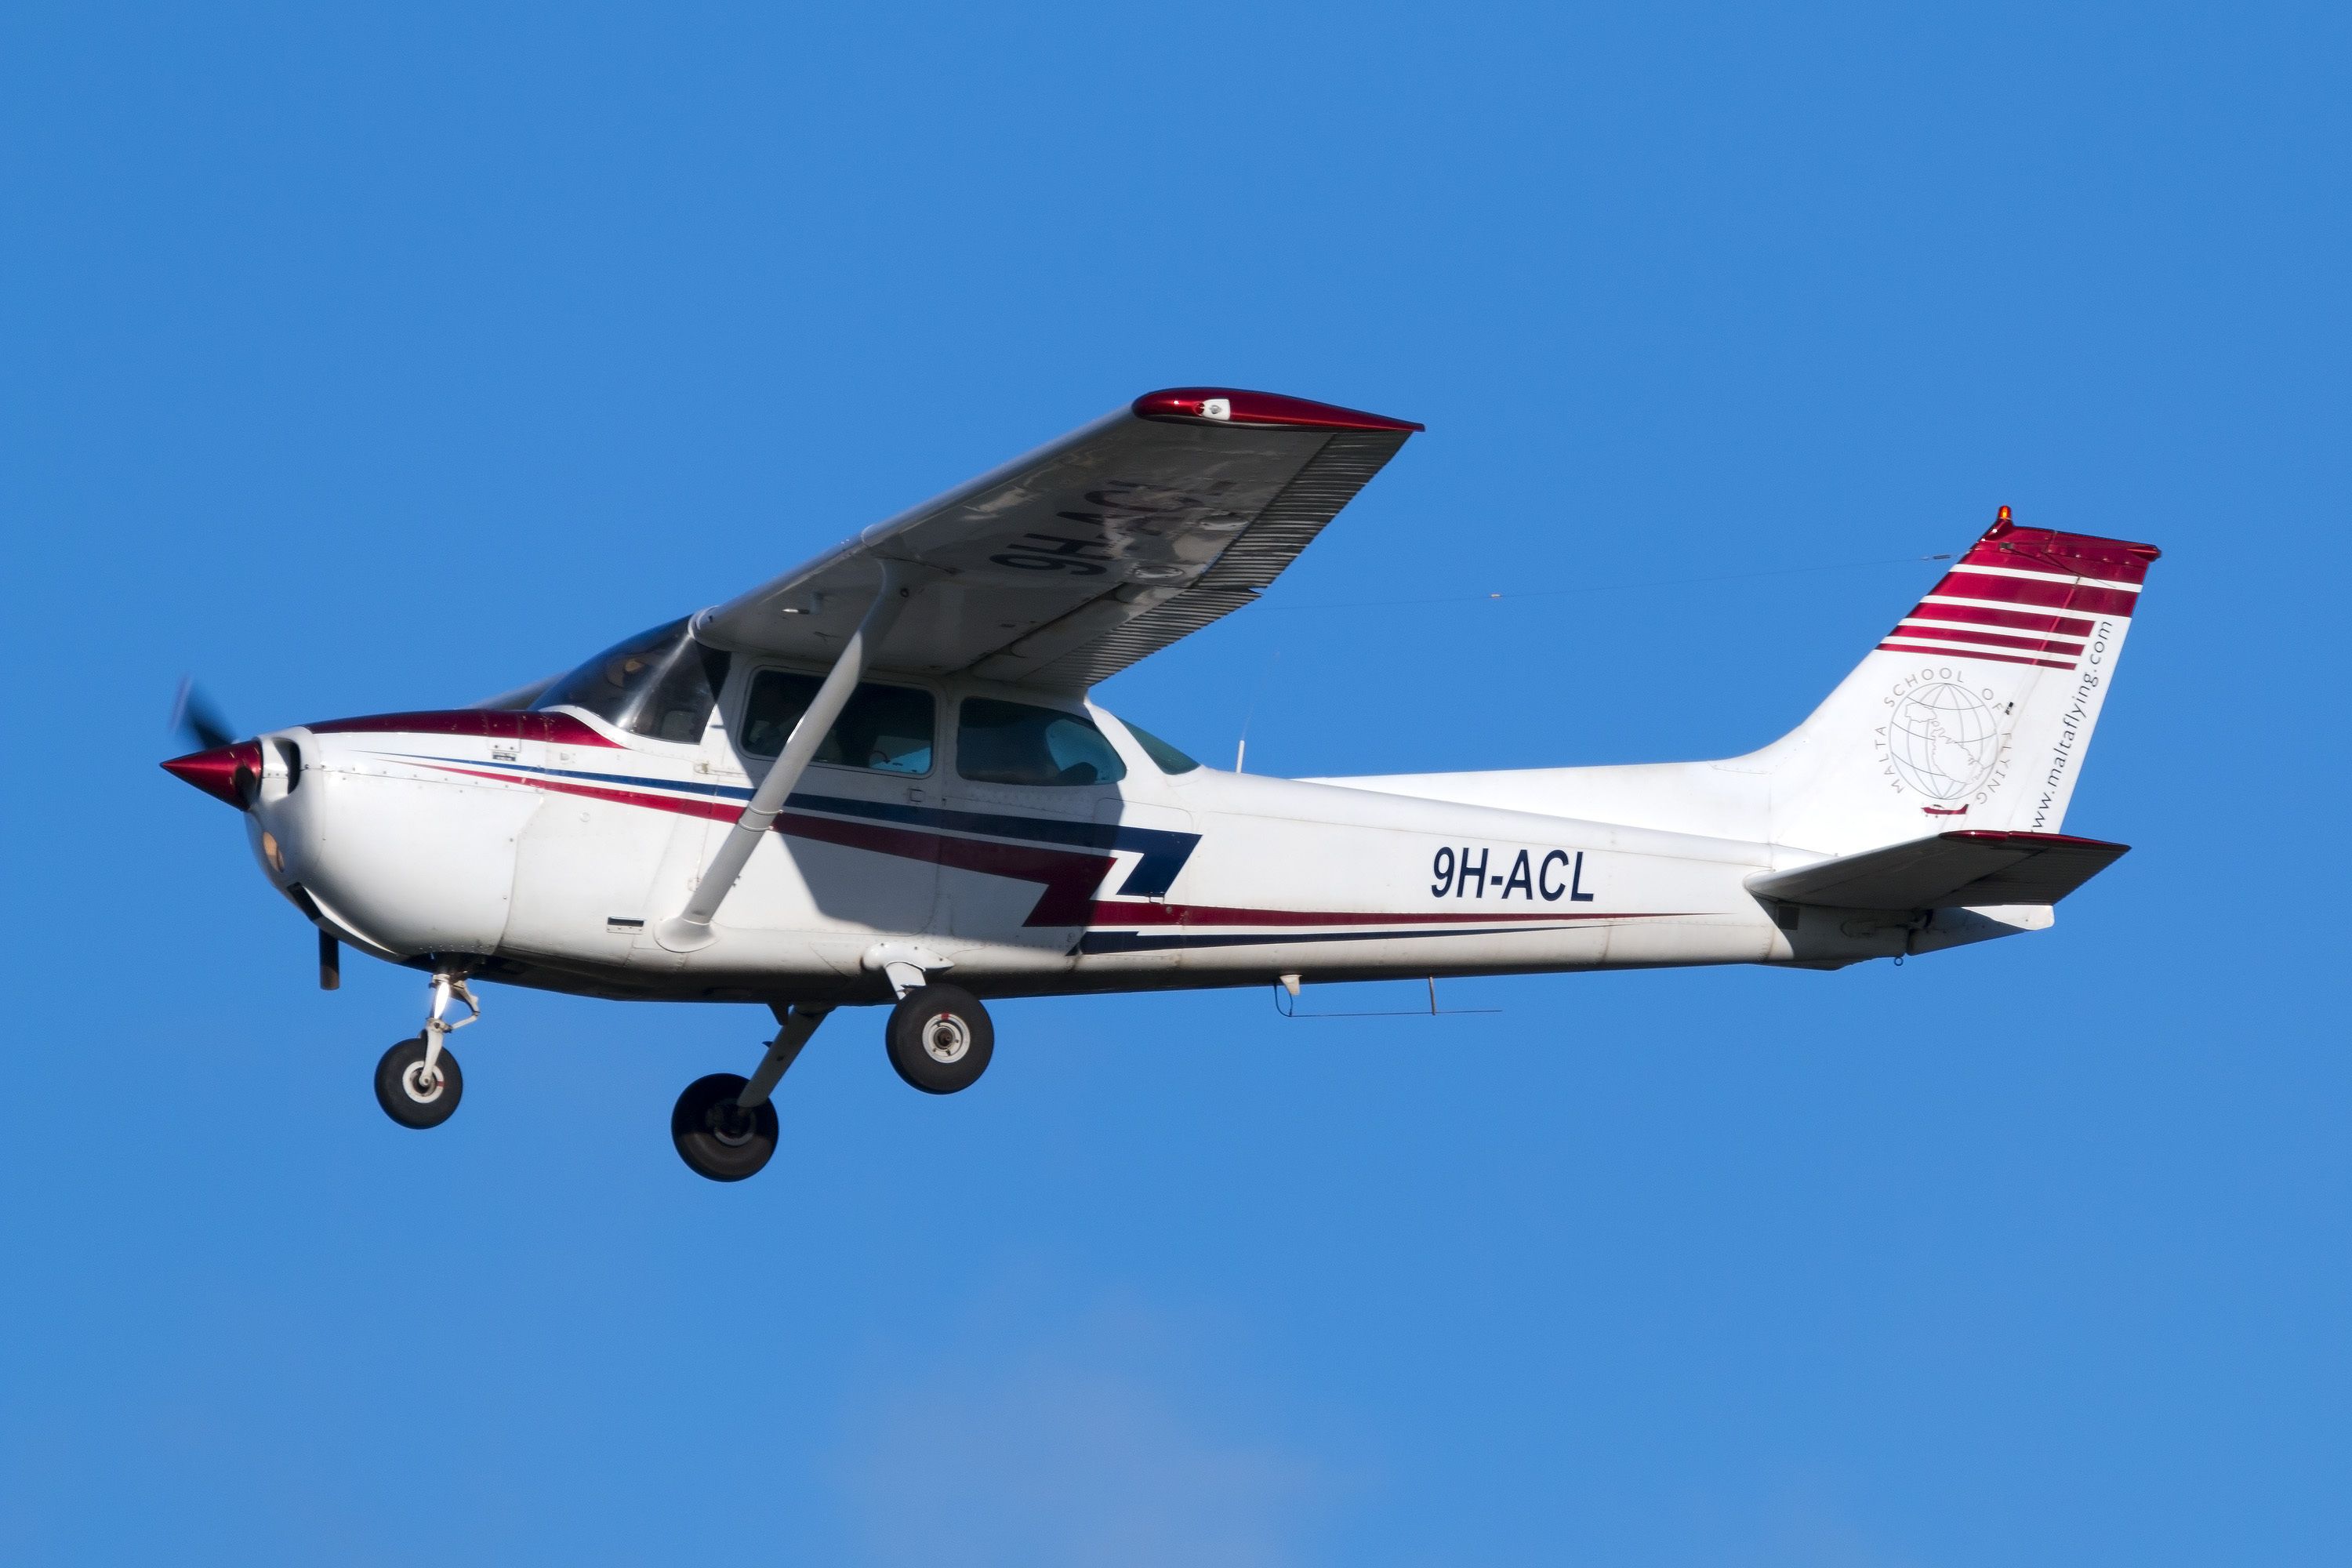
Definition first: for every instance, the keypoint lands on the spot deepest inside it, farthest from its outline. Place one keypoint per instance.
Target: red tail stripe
(1994, 639)
(2021, 620)
(2038, 591)
(1892, 647)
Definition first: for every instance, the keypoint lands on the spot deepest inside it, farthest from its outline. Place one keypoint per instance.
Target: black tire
(939, 1039)
(716, 1137)
(404, 1098)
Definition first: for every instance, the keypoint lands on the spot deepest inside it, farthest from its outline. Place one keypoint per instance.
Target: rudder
(1975, 712)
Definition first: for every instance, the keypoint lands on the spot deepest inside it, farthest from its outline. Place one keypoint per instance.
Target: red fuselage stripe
(491, 723)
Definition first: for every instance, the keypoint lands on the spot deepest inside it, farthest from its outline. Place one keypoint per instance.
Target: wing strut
(690, 928)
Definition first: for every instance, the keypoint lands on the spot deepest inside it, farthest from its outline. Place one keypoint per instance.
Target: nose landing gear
(413, 1094)
(418, 1081)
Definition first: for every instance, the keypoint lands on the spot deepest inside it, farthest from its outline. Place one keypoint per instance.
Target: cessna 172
(878, 778)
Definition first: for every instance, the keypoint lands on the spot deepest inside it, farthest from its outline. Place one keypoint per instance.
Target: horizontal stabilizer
(1950, 871)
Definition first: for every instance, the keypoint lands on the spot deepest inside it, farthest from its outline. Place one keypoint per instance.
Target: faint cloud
(1090, 1446)
(1809, 1527)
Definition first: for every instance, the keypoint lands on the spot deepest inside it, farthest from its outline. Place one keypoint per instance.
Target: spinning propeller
(193, 715)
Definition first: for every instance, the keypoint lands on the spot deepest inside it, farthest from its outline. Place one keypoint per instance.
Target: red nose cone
(225, 772)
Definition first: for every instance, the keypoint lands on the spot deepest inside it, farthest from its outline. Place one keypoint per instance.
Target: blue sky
(375, 358)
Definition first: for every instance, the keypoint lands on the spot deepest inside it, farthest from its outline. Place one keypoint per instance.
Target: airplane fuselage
(548, 846)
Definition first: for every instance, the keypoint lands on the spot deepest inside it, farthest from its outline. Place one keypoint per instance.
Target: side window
(885, 728)
(1164, 757)
(1013, 742)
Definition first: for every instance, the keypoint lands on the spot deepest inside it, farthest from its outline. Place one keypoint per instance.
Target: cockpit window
(1013, 742)
(661, 684)
(1164, 757)
(885, 729)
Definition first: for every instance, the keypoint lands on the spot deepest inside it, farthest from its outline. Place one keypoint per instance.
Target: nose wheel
(418, 1081)
(414, 1092)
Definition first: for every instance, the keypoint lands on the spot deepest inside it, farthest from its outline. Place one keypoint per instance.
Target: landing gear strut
(725, 1125)
(418, 1081)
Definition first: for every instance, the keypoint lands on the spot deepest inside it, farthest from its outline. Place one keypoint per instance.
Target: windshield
(661, 684)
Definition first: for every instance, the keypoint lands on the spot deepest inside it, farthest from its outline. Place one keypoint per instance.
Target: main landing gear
(418, 1081)
(725, 1126)
(939, 1039)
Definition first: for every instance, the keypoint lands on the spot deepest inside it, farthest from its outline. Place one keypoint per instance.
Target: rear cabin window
(661, 684)
(885, 728)
(1164, 757)
(1014, 743)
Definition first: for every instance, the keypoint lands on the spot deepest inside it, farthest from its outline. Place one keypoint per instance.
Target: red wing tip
(1235, 406)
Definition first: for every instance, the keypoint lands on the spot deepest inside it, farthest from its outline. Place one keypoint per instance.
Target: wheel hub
(421, 1087)
(946, 1038)
(730, 1123)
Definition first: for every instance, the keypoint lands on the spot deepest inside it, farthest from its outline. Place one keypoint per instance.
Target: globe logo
(1943, 739)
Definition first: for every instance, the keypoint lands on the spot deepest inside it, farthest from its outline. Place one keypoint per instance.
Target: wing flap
(1951, 870)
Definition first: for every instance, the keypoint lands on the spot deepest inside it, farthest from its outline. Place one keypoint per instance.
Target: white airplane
(878, 777)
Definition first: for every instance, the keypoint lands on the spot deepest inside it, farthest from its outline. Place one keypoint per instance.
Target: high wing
(1067, 566)
(1950, 871)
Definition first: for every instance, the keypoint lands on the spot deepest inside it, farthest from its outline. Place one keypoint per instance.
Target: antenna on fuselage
(1241, 747)
(1288, 985)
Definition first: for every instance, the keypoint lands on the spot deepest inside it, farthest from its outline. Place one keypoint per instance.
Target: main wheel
(718, 1138)
(939, 1039)
(408, 1095)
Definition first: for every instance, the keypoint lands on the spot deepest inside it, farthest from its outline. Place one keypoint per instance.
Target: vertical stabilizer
(1975, 712)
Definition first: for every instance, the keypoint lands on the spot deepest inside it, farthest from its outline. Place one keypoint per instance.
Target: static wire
(1240, 748)
(1609, 587)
